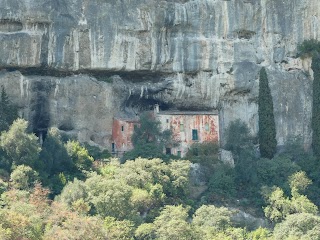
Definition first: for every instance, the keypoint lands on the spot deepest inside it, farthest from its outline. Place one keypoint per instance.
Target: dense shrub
(309, 47)
(316, 106)
(8, 111)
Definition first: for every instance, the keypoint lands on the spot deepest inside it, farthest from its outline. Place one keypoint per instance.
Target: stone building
(189, 127)
(122, 130)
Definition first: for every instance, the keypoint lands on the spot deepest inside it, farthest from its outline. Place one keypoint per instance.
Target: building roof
(214, 112)
(135, 120)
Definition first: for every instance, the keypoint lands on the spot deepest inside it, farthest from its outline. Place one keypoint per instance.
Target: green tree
(316, 105)
(281, 206)
(141, 200)
(119, 230)
(309, 48)
(23, 177)
(172, 224)
(111, 197)
(241, 144)
(24, 212)
(96, 152)
(8, 111)
(298, 226)
(145, 231)
(299, 182)
(179, 178)
(309, 164)
(267, 129)
(65, 224)
(260, 234)
(5, 234)
(79, 155)
(73, 192)
(20, 146)
(275, 171)
(3, 187)
(149, 140)
(222, 182)
(154, 175)
(206, 154)
(238, 137)
(54, 154)
(209, 215)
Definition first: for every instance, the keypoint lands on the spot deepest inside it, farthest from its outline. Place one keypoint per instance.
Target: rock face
(75, 64)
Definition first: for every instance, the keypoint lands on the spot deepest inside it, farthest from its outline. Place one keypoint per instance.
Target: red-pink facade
(122, 131)
(189, 128)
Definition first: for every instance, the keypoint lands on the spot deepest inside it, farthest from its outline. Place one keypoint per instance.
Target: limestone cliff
(75, 64)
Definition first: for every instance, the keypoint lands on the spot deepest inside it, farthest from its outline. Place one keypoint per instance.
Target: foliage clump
(20, 146)
(8, 111)
(149, 140)
(280, 206)
(309, 47)
(316, 105)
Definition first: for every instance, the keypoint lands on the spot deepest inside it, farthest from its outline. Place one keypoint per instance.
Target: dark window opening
(112, 147)
(167, 120)
(122, 128)
(168, 151)
(195, 134)
(179, 154)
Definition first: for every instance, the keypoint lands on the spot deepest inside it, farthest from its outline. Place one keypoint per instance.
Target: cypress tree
(316, 105)
(267, 128)
(311, 48)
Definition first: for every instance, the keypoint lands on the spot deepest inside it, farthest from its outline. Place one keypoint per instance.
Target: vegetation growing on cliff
(8, 111)
(312, 48)
(316, 105)
(267, 127)
(309, 47)
(58, 191)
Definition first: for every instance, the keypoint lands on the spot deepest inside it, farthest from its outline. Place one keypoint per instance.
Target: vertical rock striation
(199, 55)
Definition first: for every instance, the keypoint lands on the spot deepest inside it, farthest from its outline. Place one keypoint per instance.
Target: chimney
(156, 108)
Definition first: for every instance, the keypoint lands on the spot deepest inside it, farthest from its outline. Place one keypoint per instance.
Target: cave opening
(143, 104)
(40, 109)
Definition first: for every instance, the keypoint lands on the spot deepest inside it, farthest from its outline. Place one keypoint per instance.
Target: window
(179, 154)
(181, 127)
(195, 134)
(122, 128)
(167, 120)
(112, 147)
(168, 151)
(206, 127)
